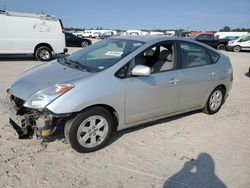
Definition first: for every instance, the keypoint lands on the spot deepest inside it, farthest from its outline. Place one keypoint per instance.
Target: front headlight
(42, 98)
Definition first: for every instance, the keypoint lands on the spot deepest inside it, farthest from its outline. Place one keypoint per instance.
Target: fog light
(46, 132)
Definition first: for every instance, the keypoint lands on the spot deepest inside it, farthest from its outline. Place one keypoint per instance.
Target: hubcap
(44, 54)
(237, 49)
(216, 100)
(84, 44)
(92, 131)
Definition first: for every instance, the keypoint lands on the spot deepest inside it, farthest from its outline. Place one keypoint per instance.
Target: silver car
(118, 83)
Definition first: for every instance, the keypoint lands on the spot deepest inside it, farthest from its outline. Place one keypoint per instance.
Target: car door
(151, 96)
(245, 43)
(198, 75)
(75, 41)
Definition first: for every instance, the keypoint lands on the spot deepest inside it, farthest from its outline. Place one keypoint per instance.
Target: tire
(84, 131)
(221, 47)
(84, 44)
(236, 48)
(215, 101)
(43, 54)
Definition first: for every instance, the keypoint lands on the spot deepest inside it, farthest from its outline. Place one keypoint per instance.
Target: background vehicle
(116, 84)
(74, 41)
(212, 41)
(85, 34)
(38, 34)
(242, 43)
(156, 33)
(222, 35)
(107, 35)
(135, 32)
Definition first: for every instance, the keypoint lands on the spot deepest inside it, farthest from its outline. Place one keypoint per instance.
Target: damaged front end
(28, 121)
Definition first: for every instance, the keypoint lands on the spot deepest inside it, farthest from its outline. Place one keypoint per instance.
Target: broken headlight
(42, 98)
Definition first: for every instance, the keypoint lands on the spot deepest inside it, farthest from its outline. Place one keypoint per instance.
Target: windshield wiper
(76, 64)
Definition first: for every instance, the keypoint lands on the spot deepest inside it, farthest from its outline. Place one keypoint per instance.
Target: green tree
(226, 28)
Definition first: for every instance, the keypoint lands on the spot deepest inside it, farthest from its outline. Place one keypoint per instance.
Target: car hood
(44, 76)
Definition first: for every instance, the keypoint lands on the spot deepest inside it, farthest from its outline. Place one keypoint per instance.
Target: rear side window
(214, 56)
(193, 55)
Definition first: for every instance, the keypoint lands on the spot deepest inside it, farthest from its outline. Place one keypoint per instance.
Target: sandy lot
(191, 150)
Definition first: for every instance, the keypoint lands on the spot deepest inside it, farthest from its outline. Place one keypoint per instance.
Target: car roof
(159, 38)
(151, 38)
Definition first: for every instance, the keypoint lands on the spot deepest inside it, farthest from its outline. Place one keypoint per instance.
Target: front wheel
(43, 54)
(215, 101)
(89, 130)
(236, 48)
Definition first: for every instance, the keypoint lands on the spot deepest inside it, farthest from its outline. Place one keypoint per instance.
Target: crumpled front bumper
(27, 121)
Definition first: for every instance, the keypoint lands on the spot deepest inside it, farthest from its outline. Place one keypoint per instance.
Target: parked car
(107, 35)
(118, 83)
(212, 41)
(74, 41)
(25, 33)
(226, 34)
(97, 35)
(242, 43)
(86, 34)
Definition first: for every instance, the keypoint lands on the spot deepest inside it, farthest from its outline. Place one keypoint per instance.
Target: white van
(135, 32)
(242, 43)
(38, 34)
(229, 34)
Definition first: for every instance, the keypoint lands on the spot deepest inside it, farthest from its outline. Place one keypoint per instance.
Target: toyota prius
(115, 84)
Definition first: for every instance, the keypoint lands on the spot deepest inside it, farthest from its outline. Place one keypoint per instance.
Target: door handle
(212, 74)
(173, 81)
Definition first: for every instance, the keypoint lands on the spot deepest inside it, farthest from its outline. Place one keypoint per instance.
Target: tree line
(227, 28)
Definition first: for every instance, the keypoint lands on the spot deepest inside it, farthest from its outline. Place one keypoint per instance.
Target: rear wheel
(89, 130)
(84, 44)
(43, 54)
(221, 47)
(215, 101)
(236, 48)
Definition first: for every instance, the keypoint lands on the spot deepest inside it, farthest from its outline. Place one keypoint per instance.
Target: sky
(141, 14)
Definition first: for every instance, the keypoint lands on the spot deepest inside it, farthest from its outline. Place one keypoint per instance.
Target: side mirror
(141, 70)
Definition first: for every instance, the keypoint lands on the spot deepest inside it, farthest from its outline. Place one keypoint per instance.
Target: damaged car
(115, 84)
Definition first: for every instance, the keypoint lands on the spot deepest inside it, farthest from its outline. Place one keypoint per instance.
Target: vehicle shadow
(17, 58)
(59, 133)
(247, 74)
(26, 57)
(119, 134)
(196, 173)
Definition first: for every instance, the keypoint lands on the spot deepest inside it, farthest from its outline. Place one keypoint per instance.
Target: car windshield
(101, 55)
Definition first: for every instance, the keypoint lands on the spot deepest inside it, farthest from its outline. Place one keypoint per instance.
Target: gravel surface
(190, 150)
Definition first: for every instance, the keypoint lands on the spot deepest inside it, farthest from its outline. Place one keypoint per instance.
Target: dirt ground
(190, 150)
